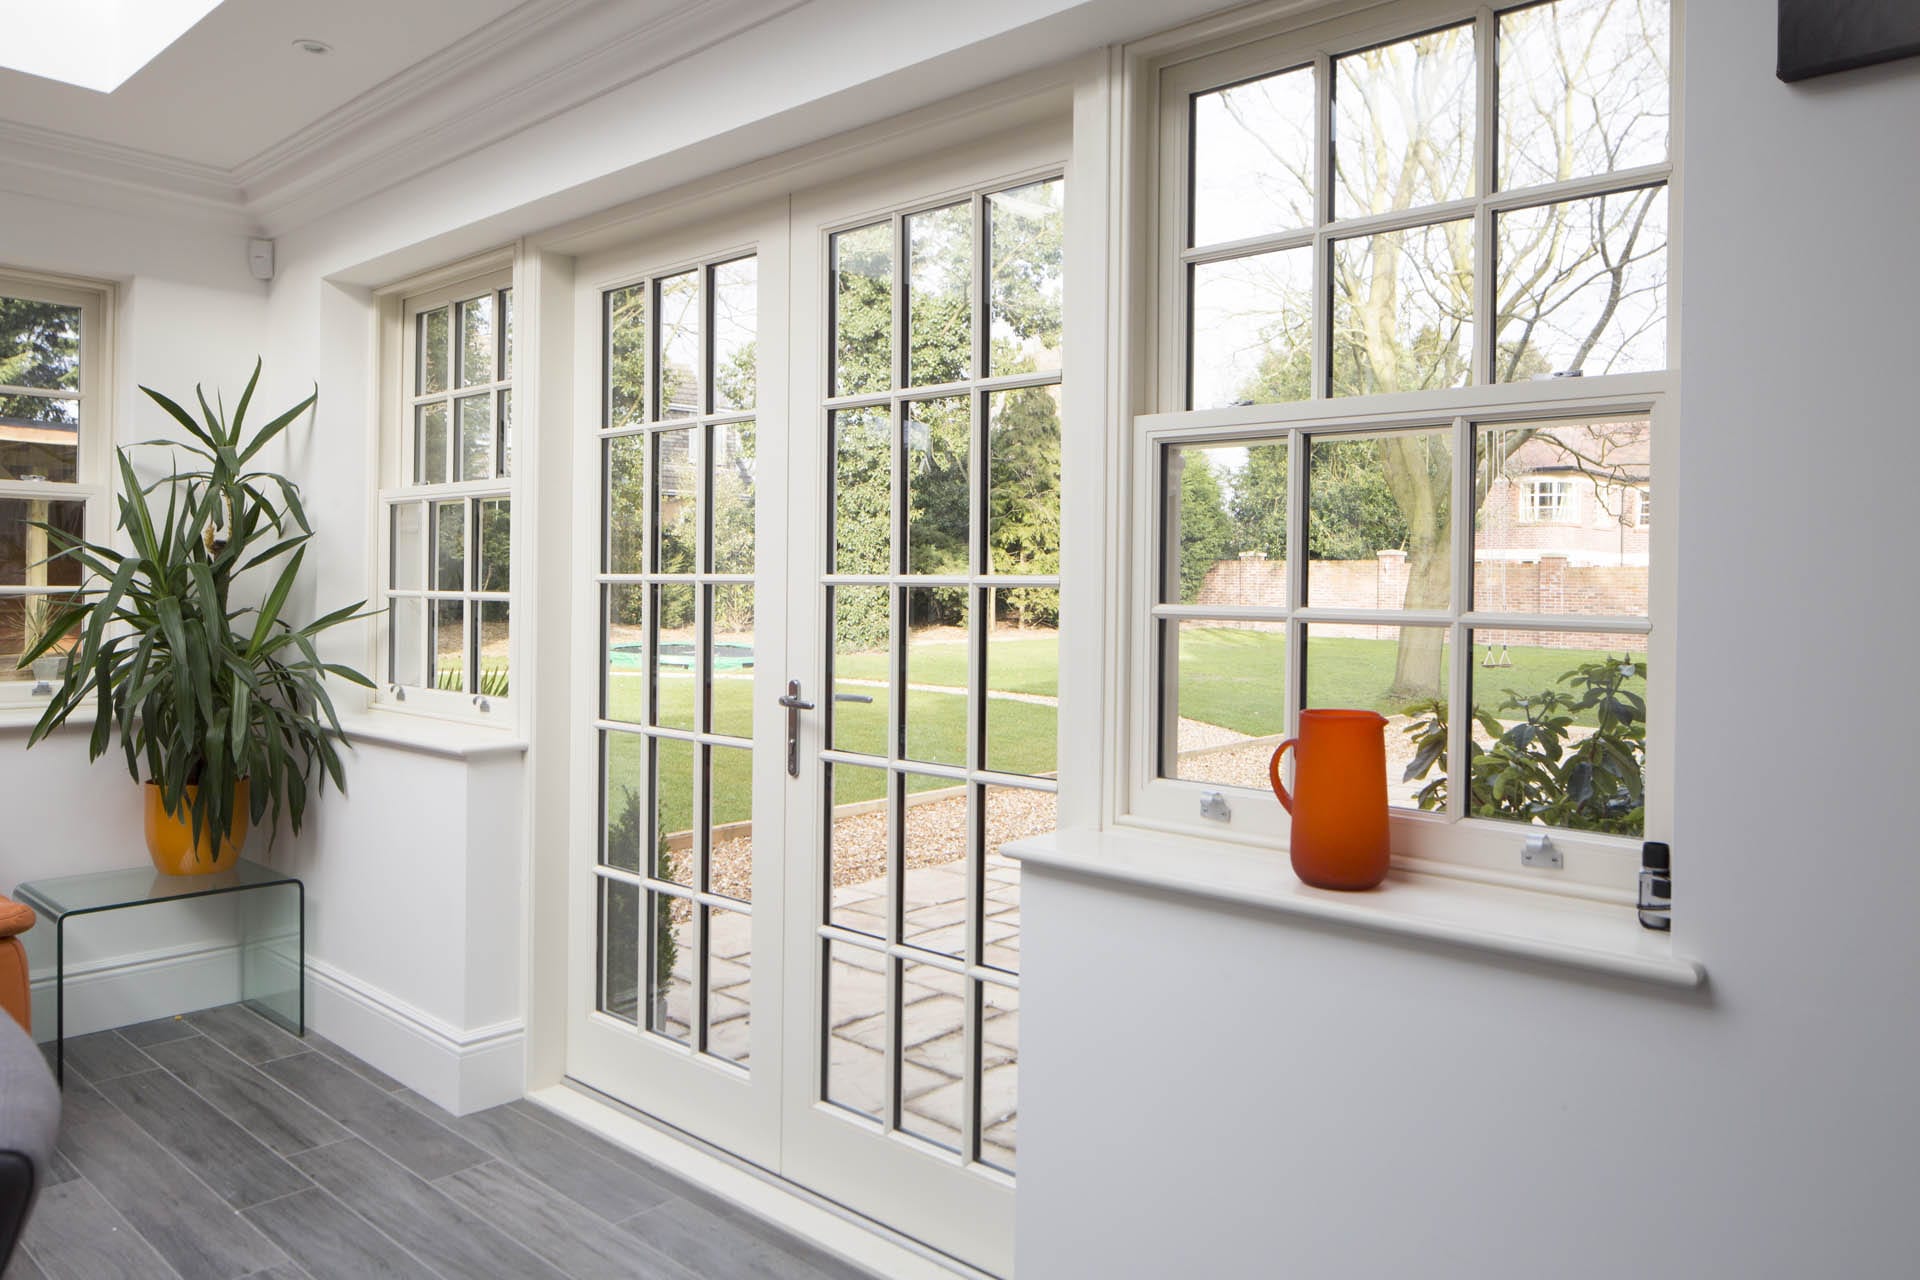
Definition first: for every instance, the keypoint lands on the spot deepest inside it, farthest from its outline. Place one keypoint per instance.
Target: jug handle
(1273, 772)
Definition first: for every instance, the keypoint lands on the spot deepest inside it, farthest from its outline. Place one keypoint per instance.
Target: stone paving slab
(934, 1002)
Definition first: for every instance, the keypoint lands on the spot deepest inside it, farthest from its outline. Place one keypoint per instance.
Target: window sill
(421, 734)
(20, 717)
(425, 735)
(1516, 922)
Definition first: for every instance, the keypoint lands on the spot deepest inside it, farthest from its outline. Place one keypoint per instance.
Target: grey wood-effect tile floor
(216, 1146)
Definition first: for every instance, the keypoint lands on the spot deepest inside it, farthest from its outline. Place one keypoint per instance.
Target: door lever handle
(794, 704)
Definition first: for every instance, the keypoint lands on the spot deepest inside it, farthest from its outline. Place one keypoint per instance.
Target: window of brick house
(1549, 501)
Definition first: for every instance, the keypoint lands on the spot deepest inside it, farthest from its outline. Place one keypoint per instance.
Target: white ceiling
(234, 85)
(96, 44)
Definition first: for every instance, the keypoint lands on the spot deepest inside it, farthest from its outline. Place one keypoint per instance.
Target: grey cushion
(29, 1123)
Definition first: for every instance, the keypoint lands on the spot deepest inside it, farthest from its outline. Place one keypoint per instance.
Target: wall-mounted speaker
(1820, 37)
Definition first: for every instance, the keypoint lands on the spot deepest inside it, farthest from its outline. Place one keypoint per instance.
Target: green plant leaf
(1423, 760)
(56, 630)
(276, 550)
(276, 599)
(246, 397)
(181, 416)
(136, 517)
(103, 718)
(275, 427)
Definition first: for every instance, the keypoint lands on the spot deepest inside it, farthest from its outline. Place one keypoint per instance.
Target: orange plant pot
(170, 840)
(1339, 798)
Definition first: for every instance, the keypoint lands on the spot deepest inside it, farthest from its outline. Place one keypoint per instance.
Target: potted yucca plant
(224, 707)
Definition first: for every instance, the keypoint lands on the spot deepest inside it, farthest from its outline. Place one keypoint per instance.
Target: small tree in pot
(226, 708)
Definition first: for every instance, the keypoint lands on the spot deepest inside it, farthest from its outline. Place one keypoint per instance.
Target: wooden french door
(680, 621)
(932, 402)
(849, 1017)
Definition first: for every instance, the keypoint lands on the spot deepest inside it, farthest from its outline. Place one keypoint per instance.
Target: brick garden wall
(1550, 584)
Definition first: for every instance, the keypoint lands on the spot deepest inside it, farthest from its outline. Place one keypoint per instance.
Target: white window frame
(93, 482)
(1163, 74)
(398, 485)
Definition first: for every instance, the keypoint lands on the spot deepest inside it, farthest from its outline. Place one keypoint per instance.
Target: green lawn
(1016, 663)
(1230, 676)
(1236, 678)
(1020, 736)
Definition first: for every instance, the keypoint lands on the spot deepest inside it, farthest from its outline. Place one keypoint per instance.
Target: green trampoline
(678, 654)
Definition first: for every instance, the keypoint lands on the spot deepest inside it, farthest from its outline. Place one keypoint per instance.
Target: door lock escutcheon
(794, 704)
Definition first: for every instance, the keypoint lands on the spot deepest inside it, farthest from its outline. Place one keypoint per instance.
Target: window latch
(1540, 852)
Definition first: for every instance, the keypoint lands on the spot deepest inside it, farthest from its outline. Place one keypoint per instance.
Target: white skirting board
(113, 992)
(460, 1070)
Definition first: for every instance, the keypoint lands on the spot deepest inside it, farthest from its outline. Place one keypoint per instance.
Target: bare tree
(1580, 283)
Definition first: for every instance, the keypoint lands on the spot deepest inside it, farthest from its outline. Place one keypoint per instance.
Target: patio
(933, 1012)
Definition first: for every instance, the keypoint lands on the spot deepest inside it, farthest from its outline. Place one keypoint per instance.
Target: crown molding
(61, 166)
(594, 53)
(1020, 102)
(551, 56)
(410, 86)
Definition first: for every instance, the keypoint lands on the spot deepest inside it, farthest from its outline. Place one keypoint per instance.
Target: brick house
(1564, 529)
(1582, 493)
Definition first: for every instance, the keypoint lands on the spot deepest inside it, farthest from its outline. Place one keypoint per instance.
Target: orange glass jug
(1339, 798)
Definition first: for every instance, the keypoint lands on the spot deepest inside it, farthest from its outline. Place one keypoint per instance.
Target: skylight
(96, 44)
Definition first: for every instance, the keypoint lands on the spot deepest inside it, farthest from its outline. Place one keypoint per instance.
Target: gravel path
(1209, 755)
(1196, 735)
(936, 834)
(1220, 761)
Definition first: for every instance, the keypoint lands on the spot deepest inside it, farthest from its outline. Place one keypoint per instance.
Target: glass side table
(270, 930)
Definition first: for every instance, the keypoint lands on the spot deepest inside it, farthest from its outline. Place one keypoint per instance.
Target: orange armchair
(16, 996)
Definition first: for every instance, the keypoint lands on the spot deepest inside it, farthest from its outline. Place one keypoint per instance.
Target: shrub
(1530, 772)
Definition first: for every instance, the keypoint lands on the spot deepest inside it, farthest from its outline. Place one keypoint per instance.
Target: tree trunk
(1419, 663)
(35, 613)
(1418, 472)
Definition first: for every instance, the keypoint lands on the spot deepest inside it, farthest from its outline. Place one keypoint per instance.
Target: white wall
(415, 882)
(1214, 1094)
(189, 310)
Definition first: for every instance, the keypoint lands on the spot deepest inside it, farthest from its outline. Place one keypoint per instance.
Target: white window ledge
(20, 717)
(423, 735)
(1601, 937)
(426, 735)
